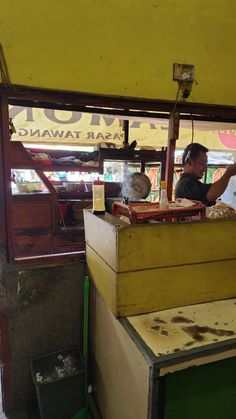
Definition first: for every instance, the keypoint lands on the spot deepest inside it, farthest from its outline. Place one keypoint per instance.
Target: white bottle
(163, 199)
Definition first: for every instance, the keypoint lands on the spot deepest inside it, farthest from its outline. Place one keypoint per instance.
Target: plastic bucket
(63, 397)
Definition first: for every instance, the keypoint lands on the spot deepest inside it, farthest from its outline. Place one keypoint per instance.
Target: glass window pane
(26, 181)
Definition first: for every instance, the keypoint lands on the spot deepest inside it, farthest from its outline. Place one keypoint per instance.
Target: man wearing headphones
(195, 165)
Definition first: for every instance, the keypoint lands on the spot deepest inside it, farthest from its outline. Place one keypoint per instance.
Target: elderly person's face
(198, 165)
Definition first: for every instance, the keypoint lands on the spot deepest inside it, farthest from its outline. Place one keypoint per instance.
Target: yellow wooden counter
(149, 267)
(171, 364)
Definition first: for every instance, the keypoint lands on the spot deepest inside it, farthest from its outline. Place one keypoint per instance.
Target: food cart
(144, 275)
(163, 317)
(138, 270)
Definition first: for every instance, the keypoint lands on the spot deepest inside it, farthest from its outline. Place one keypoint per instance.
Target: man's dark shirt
(188, 186)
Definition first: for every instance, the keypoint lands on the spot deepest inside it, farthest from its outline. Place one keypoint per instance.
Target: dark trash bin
(59, 378)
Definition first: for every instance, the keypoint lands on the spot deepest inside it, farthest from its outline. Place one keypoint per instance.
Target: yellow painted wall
(122, 47)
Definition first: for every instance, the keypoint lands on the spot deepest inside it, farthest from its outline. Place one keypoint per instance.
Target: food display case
(48, 213)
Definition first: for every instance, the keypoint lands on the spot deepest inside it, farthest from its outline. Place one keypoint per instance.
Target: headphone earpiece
(188, 156)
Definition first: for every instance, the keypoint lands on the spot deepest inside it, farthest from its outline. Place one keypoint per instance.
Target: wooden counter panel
(158, 245)
(32, 215)
(136, 247)
(103, 277)
(121, 373)
(145, 291)
(163, 288)
(101, 235)
(68, 242)
(38, 197)
(32, 245)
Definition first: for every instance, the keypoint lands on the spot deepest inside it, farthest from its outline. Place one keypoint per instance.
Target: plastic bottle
(98, 197)
(163, 198)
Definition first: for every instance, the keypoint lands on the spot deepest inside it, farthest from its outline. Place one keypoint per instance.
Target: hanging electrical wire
(176, 99)
(192, 125)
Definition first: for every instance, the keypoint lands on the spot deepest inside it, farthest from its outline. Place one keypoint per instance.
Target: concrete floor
(24, 414)
(21, 414)
(33, 413)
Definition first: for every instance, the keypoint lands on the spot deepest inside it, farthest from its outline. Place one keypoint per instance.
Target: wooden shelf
(132, 155)
(56, 168)
(21, 159)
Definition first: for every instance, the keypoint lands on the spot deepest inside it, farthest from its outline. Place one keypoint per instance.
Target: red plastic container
(142, 212)
(63, 208)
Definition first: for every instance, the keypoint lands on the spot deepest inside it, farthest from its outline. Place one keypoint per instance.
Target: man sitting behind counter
(195, 165)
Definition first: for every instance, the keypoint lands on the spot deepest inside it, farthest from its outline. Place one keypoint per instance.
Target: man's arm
(217, 188)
